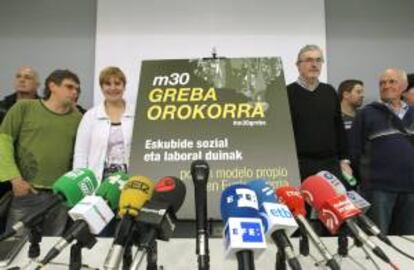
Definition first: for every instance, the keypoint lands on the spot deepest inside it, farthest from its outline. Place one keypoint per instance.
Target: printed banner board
(231, 112)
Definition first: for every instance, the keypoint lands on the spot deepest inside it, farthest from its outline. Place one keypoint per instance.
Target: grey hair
(401, 73)
(307, 48)
(32, 70)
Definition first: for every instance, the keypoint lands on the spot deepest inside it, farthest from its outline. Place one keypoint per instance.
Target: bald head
(392, 83)
(26, 81)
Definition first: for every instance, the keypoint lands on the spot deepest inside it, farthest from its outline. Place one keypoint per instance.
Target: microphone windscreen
(264, 191)
(200, 171)
(317, 191)
(110, 188)
(334, 181)
(238, 201)
(171, 190)
(135, 193)
(75, 185)
(291, 197)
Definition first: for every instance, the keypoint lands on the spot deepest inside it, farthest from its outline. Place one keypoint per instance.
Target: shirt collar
(129, 111)
(306, 85)
(404, 108)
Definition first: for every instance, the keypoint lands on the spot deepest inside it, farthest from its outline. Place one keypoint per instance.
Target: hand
(345, 167)
(21, 187)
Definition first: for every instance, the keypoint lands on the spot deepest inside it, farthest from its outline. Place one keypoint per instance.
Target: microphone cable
(402, 252)
(384, 238)
(407, 238)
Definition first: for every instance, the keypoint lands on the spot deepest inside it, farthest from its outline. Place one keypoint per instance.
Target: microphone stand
(343, 247)
(85, 239)
(127, 256)
(245, 260)
(303, 241)
(152, 256)
(368, 256)
(343, 242)
(145, 249)
(35, 237)
(280, 260)
(75, 256)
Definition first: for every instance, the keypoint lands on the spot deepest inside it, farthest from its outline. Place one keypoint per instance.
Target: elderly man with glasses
(316, 118)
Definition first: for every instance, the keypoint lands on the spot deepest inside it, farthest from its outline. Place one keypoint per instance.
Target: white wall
(48, 35)
(133, 31)
(366, 37)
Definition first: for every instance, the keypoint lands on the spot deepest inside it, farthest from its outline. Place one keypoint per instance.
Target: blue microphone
(244, 236)
(277, 219)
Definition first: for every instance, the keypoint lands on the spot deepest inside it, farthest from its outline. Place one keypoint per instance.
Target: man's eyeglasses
(312, 60)
(71, 86)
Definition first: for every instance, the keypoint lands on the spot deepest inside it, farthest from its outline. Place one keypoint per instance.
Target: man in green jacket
(36, 147)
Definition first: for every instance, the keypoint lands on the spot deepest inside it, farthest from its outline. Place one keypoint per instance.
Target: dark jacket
(6, 104)
(382, 149)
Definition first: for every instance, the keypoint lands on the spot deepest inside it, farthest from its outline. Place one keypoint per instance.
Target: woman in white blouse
(104, 135)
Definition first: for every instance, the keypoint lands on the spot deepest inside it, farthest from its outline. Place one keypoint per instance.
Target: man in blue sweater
(382, 151)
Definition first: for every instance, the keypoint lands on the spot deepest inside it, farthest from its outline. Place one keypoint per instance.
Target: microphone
(199, 172)
(340, 189)
(291, 197)
(277, 219)
(358, 201)
(244, 236)
(335, 210)
(136, 192)
(111, 188)
(157, 217)
(91, 215)
(69, 189)
(363, 205)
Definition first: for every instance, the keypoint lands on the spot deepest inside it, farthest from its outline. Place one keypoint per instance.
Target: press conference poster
(232, 113)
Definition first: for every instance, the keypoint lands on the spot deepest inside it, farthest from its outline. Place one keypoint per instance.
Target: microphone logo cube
(251, 232)
(278, 216)
(94, 211)
(358, 200)
(339, 187)
(86, 186)
(244, 234)
(246, 198)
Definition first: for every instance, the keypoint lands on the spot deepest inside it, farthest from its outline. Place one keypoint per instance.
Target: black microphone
(157, 218)
(199, 172)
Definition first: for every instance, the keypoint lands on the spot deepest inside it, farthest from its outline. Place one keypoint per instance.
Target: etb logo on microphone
(278, 216)
(281, 212)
